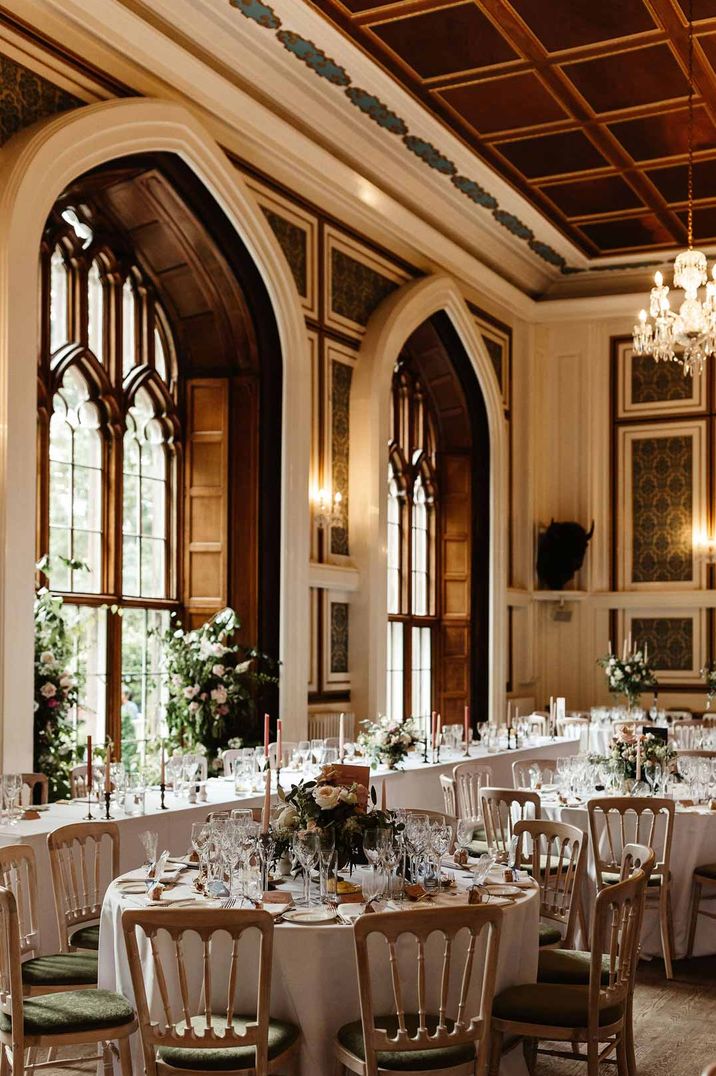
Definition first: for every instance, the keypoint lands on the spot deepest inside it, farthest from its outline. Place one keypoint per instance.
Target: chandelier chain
(690, 189)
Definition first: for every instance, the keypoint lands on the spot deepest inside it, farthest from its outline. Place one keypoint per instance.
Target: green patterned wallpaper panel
(356, 289)
(26, 97)
(339, 637)
(657, 382)
(341, 376)
(292, 240)
(662, 509)
(670, 641)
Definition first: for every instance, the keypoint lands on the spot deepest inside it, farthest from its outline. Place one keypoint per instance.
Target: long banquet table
(314, 983)
(416, 785)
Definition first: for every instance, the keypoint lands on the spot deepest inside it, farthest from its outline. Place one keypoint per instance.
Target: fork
(230, 902)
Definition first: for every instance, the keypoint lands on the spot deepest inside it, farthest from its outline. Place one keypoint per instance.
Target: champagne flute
(306, 847)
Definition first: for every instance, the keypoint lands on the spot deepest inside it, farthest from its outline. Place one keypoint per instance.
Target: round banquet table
(314, 982)
(693, 843)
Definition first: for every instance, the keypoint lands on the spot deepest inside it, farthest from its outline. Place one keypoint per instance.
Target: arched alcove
(35, 167)
(436, 301)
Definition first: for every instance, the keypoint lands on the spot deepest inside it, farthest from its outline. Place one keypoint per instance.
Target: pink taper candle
(163, 766)
(266, 735)
(467, 726)
(433, 729)
(108, 768)
(89, 766)
(341, 736)
(266, 815)
(279, 742)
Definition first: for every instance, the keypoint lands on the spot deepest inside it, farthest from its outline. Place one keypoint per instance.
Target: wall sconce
(704, 547)
(327, 510)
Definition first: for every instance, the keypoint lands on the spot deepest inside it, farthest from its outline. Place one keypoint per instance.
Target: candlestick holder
(162, 791)
(466, 752)
(107, 798)
(509, 737)
(425, 749)
(437, 758)
(89, 817)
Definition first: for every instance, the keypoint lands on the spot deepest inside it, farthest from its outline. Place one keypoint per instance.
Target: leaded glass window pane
(129, 347)
(420, 550)
(146, 489)
(396, 671)
(393, 544)
(58, 301)
(95, 312)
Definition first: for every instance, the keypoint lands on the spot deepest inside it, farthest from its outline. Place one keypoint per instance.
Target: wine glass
(466, 831)
(12, 789)
(482, 868)
(326, 852)
(372, 884)
(306, 846)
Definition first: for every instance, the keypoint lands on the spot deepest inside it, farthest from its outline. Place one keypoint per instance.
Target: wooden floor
(675, 1024)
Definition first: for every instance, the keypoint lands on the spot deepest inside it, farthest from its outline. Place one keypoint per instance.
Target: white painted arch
(389, 328)
(35, 166)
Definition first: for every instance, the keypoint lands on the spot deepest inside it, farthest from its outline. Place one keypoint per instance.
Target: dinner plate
(503, 890)
(310, 916)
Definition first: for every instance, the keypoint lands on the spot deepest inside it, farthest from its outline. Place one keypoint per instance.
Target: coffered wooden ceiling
(580, 104)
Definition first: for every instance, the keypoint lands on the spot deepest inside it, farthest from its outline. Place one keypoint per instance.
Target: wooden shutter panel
(455, 509)
(206, 502)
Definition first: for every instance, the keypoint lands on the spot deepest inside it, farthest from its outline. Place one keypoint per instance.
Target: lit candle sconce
(327, 509)
(704, 546)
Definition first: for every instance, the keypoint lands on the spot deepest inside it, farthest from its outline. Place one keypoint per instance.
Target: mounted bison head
(560, 553)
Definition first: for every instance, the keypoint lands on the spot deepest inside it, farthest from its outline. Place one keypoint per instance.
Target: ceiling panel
(581, 106)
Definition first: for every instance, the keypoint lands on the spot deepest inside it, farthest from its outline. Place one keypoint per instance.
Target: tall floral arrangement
(387, 740)
(623, 753)
(212, 682)
(629, 675)
(56, 692)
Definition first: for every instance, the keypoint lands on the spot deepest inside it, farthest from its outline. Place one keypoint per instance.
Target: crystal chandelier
(686, 336)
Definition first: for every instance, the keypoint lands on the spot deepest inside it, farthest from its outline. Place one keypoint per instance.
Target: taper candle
(266, 735)
(341, 736)
(108, 768)
(433, 729)
(266, 813)
(466, 723)
(89, 766)
(163, 766)
(638, 757)
(279, 742)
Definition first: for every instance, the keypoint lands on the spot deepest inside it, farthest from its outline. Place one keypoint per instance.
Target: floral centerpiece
(212, 682)
(330, 802)
(56, 692)
(709, 674)
(387, 740)
(657, 756)
(629, 675)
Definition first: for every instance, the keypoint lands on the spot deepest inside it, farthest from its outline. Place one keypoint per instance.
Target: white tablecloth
(314, 982)
(417, 785)
(694, 843)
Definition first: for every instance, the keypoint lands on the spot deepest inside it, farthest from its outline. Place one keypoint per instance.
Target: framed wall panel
(661, 505)
(297, 233)
(356, 280)
(650, 389)
(339, 363)
(497, 338)
(336, 661)
(676, 639)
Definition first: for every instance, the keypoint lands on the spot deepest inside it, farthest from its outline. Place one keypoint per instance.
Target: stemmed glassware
(306, 847)
(326, 854)
(466, 832)
(11, 792)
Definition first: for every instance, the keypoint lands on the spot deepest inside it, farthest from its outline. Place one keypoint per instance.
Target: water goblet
(306, 848)
(326, 853)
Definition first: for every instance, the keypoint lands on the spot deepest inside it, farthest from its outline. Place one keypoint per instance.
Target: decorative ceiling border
(372, 107)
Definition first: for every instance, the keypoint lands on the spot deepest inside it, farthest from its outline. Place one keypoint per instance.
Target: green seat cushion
(550, 1004)
(62, 969)
(707, 870)
(281, 1036)
(477, 846)
(351, 1037)
(568, 966)
(612, 877)
(86, 937)
(549, 935)
(73, 1010)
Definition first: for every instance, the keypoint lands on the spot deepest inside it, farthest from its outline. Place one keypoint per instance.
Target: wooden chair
(447, 786)
(380, 1041)
(617, 821)
(48, 973)
(84, 859)
(592, 1014)
(35, 789)
(501, 808)
(181, 1024)
(688, 735)
(703, 888)
(78, 780)
(537, 723)
(575, 728)
(469, 778)
(544, 769)
(52, 1020)
(558, 855)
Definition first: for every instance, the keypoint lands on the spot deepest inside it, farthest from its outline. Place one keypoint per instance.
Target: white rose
(327, 797)
(219, 694)
(48, 690)
(218, 650)
(66, 680)
(218, 670)
(47, 657)
(191, 692)
(288, 818)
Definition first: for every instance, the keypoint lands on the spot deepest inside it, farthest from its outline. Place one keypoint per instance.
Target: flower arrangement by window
(629, 675)
(56, 692)
(709, 674)
(387, 740)
(329, 802)
(212, 682)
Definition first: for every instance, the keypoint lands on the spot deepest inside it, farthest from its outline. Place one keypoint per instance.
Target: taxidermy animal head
(560, 553)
